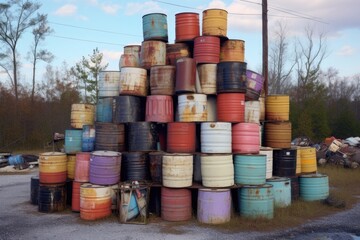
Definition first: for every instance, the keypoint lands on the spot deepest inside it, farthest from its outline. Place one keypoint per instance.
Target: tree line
(322, 102)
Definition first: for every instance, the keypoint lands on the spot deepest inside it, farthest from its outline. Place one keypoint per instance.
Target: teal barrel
(16, 159)
(73, 140)
(282, 191)
(256, 201)
(314, 187)
(104, 110)
(250, 169)
(155, 27)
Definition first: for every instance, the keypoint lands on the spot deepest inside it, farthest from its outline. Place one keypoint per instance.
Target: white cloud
(111, 55)
(346, 50)
(143, 8)
(110, 8)
(66, 10)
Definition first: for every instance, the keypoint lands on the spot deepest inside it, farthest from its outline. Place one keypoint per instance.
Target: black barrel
(129, 109)
(52, 197)
(110, 137)
(295, 188)
(69, 184)
(231, 77)
(142, 136)
(155, 201)
(197, 168)
(135, 166)
(34, 190)
(155, 162)
(284, 162)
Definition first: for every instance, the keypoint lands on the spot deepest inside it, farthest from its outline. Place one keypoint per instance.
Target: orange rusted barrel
(232, 50)
(82, 167)
(278, 134)
(152, 53)
(181, 137)
(75, 198)
(231, 107)
(162, 80)
(95, 201)
(186, 26)
(52, 167)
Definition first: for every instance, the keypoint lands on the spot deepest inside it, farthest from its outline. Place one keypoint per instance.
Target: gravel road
(21, 220)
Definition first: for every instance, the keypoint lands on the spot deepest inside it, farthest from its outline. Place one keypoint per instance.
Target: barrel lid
(266, 185)
(154, 14)
(89, 185)
(314, 175)
(52, 154)
(214, 189)
(178, 154)
(278, 179)
(106, 153)
(213, 9)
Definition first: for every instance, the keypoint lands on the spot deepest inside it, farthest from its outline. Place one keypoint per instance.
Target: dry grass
(344, 187)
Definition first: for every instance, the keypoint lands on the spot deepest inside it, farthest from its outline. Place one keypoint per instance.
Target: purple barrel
(105, 167)
(254, 85)
(214, 206)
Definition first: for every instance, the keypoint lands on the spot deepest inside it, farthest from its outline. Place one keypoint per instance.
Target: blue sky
(82, 25)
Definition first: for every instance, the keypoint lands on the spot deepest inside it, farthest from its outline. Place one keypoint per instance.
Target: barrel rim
(106, 153)
(179, 154)
(133, 67)
(148, 41)
(154, 14)
(53, 154)
(215, 9)
(278, 179)
(89, 185)
(214, 189)
(314, 175)
(132, 45)
(278, 95)
(195, 13)
(207, 36)
(233, 39)
(263, 148)
(215, 154)
(266, 185)
(248, 155)
(164, 66)
(227, 62)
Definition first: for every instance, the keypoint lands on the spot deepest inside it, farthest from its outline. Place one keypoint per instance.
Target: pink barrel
(159, 108)
(254, 82)
(82, 167)
(245, 138)
(207, 49)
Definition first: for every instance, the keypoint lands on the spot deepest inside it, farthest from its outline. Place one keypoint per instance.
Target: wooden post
(265, 45)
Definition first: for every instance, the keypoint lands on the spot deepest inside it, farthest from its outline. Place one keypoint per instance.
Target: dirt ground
(19, 219)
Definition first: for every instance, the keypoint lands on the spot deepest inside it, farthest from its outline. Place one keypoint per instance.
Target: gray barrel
(109, 137)
(135, 166)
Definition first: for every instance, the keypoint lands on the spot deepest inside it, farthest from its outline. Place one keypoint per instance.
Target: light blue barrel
(16, 159)
(256, 201)
(314, 187)
(155, 27)
(104, 110)
(88, 138)
(133, 209)
(73, 141)
(282, 191)
(250, 169)
(214, 206)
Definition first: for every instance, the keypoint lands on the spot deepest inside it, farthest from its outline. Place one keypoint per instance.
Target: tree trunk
(15, 74)
(33, 81)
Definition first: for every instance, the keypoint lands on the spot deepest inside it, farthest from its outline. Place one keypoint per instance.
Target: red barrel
(159, 108)
(82, 167)
(185, 75)
(207, 49)
(245, 138)
(231, 107)
(75, 200)
(175, 204)
(186, 26)
(181, 137)
(176, 51)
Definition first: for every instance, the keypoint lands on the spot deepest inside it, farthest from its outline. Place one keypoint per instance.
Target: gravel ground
(21, 220)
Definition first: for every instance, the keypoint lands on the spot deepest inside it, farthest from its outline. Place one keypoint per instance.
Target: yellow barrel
(71, 160)
(82, 114)
(232, 50)
(308, 159)
(277, 107)
(298, 160)
(52, 167)
(95, 201)
(217, 170)
(214, 22)
(177, 170)
(262, 108)
(278, 134)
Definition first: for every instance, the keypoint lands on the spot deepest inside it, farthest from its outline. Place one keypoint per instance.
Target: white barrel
(269, 160)
(211, 108)
(177, 170)
(216, 137)
(252, 112)
(217, 170)
(192, 108)
(108, 83)
(207, 78)
(133, 81)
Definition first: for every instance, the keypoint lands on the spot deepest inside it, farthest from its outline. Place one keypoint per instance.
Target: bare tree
(39, 33)
(16, 16)
(279, 75)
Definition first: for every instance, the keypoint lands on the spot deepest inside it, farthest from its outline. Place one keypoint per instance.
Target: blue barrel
(250, 169)
(133, 209)
(256, 201)
(16, 159)
(104, 110)
(314, 187)
(73, 141)
(282, 191)
(155, 27)
(88, 138)
(105, 167)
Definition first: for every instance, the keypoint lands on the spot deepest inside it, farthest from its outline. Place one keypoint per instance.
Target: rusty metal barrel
(155, 27)
(231, 77)
(110, 137)
(152, 53)
(52, 197)
(128, 109)
(232, 50)
(185, 75)
(207, 49)
(52, 167)
(175, 51)
(162, 80)
(214, 22)
(187, 26)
